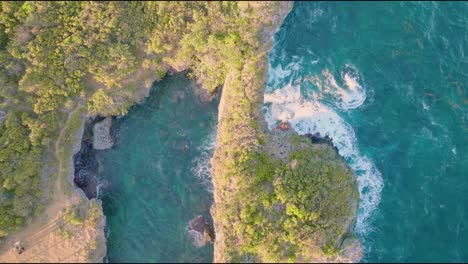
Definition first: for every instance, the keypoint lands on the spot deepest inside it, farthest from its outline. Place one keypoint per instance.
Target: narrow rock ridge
(245, 134)
(241, 127)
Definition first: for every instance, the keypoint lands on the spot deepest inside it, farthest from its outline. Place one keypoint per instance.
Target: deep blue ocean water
(386, 80)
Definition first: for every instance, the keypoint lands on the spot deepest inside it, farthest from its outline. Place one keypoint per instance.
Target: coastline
(229, 103)
(143, 77)
(242, 156)
(80, 242)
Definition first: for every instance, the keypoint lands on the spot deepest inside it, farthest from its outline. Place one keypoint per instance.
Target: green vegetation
(65, 145)
(300, 206)
(22, 140)
(80, 215)
(268, 209)
(56, 55)
(65, 233)
(94, 214)
(73, 215)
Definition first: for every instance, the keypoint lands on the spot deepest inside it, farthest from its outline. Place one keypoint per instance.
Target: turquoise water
(388, 82)
(155, 173)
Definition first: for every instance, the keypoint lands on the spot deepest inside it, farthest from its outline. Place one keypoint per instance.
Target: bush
(94, 214)
(73, 216)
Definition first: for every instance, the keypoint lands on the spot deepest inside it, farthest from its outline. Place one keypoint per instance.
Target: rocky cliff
(270, 204)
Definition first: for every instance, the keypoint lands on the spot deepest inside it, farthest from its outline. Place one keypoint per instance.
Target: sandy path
(42, 238)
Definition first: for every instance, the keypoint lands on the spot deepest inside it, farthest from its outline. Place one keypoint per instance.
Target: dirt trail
(43, 238)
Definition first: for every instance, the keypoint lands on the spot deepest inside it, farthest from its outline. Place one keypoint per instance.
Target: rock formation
(266, 207)
(102, 138)
(200, 232)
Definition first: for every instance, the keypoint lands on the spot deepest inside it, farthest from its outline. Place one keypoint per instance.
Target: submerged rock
(102, 138)
(200, 232)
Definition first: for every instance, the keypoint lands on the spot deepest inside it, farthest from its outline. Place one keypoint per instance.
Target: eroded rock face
(102, 138)
(203, 94)
(200, 232)
(352, 251)
(86, 167)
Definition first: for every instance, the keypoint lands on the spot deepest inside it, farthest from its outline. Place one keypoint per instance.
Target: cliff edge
(277, 196)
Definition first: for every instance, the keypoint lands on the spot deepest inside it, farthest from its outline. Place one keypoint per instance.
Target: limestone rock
(200, 232)
(102, 138)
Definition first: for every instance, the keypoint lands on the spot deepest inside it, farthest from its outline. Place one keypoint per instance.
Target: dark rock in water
(200, 232)
(284, 126)
(318, 139)
(86, 167)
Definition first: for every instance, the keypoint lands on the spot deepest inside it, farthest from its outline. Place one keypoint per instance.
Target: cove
(151, 177)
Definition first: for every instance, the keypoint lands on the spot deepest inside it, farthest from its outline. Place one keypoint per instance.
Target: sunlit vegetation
(288, 209)
(56, 55)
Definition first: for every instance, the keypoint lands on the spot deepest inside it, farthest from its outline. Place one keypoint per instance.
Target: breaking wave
(201, 167)
(314, 111)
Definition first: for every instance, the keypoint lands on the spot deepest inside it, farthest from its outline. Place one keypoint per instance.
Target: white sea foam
(278, 73)
(454, 151)
(315, 14)
(308, 113)
(425, 106)
(201, 167)
(350, 96)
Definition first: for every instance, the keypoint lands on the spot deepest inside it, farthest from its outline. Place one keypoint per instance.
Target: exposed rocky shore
(200, 231)
(242, 132)
(102, 138)
(86, 167)
(97, 136)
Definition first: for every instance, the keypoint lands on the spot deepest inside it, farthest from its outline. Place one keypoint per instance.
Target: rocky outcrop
(86, 167)
(244, 144)
(102, 138)
(200, 232)
(203, 94)
(239, 116)
(319, 139)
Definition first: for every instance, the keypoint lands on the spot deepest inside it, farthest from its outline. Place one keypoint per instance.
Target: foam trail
(201, 167)
(278, 73)
(350, 97)
(309, 114)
